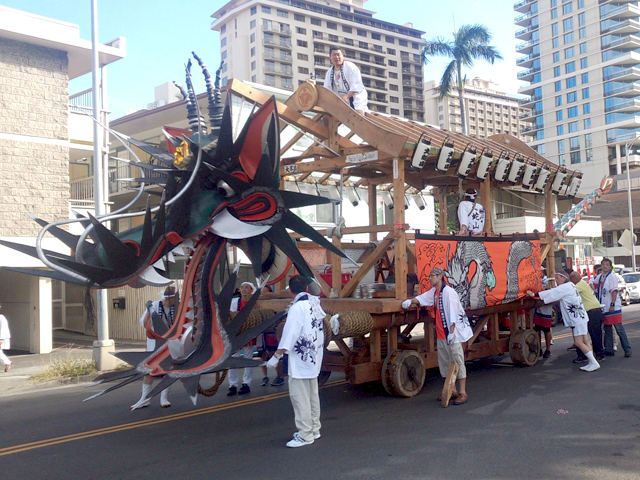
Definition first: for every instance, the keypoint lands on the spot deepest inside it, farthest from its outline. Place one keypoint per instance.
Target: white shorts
(580, 329)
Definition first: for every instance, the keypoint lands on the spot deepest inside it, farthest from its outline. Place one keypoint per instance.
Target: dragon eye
(225, 189)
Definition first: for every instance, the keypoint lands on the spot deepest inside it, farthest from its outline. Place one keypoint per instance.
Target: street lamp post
(633, 242)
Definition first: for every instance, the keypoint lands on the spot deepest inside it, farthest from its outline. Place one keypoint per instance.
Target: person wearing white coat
(163, 310)
(345, 80)
(452, 328)
(5, 342)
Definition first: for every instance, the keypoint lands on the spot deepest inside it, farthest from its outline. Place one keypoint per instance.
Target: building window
(558, 115)
(554, 13)
(572, 97)
(575, 157)
(582, 33)
(589, 154)
(283, 13)
(556, 57)
(403, 43)
(223, 29)
(302, 43)
(568, 38)
(253, 65)
(254, 10)
(584, 63)
(572, 112)
(301, 31)
(299, 18)
(581, 20)
(332, 26)
(304, 57)
(397, 100)
(558, 100)
(395, 111)
(583, 48)
(567, 8)
(556, 71)
(558, 86)
(560, 146)
(554, 29)
(361, 33)
(560, 129)
(573, 127)
(539, 135)
(587, 123)
(223, 42)
(393, 75)
(585, 93)
(393, 88)
(555, 43)
(554, 3)
(389, 39)
(580, 4)
(570, 67)
(223, 55)
(586, 108)
(266, 9)
(376, 36)
(393, 63)
(571, 82)
(253, 51)
(561, 160)
(588, 142)
(574, 143)
(316, 21)
(303, 70)
(347, 29)
(569, 52)
(567, 25)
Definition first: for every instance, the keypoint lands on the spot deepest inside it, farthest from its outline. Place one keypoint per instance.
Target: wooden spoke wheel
(524, 347)
(403, 373)
(323, 377)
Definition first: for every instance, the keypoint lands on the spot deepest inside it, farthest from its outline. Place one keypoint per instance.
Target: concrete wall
(34, 153)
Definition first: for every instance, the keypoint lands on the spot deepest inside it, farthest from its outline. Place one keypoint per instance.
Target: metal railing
(81, 101)
(622, 73)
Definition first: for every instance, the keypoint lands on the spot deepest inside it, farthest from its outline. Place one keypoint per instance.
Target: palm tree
(469, 43)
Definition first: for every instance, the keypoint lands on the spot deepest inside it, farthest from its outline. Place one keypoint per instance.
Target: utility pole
(103, 345)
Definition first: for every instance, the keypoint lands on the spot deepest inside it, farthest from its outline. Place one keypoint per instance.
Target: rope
(210, 392)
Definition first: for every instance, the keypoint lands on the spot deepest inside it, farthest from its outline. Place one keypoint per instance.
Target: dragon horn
(192, 109)
(213, 94)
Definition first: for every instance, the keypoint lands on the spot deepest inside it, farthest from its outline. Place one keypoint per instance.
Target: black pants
(596, 317)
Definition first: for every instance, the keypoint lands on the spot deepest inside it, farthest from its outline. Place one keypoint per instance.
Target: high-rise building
(281, 43)
(489, 109)
(582, 68)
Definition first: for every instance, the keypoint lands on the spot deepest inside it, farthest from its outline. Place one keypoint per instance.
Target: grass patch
(66, 368)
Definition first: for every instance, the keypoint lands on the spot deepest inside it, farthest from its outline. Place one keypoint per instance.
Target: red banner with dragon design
(485, 271)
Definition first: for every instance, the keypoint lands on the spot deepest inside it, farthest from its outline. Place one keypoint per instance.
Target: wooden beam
(366, 266)
(372, 200)
(549, 203)
(336, 269)
(400, 242)
(485, 189)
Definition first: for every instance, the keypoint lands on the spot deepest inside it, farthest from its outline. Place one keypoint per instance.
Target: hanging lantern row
(517, 170)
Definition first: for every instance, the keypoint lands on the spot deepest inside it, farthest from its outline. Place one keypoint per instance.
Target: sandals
(462, 399)
(7, 367)
(453, 396)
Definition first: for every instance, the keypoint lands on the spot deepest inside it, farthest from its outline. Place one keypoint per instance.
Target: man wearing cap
(452, 329)
(159, 317)
(594, 312)
(5, 342)
(247, 289)
(471, 213)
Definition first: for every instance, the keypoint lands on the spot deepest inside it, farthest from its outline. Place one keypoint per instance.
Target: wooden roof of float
(381, 135)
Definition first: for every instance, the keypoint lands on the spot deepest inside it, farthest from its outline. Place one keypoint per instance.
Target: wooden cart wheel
(323, 377)
(403, 373)
(524, 347)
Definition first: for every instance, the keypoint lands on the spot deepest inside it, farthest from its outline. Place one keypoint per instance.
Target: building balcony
(285, 72)
(525, 33)
(530, 115)
(373, 86)
(526, 47)
(531, 99)
(417, 96)
(626, 42)
(524, 19)
(415, 59)
(630, 90)
(523, 5)
(631, 73)
(531, 128)
(279, 29)
(623, 27)
(288, 58)
(409, 83)
(526, 60)
(528, 74)
(622, 12)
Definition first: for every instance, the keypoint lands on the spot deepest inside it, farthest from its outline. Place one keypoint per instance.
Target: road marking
(154, 421)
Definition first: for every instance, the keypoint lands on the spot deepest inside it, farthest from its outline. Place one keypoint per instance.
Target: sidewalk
(65, 345)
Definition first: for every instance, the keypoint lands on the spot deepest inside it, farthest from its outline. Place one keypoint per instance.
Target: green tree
(470, 42)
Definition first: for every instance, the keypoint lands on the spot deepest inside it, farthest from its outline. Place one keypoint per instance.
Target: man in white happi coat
(344, 79)
(452, 329)
(471, 213)
(5, 342)
(303, 341)
(573, 314)
(160, 312)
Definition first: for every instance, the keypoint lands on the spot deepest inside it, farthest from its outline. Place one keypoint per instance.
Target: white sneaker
(590, 367)
(316, 436)
(298, 441)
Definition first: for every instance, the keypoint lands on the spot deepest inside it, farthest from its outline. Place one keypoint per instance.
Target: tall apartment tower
(281, 43)
(489, 109)
(582, 68)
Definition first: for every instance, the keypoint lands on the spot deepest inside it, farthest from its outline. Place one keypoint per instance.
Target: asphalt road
(550, 421)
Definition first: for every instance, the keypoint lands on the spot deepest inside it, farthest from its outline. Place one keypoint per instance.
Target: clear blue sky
(161, 34)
